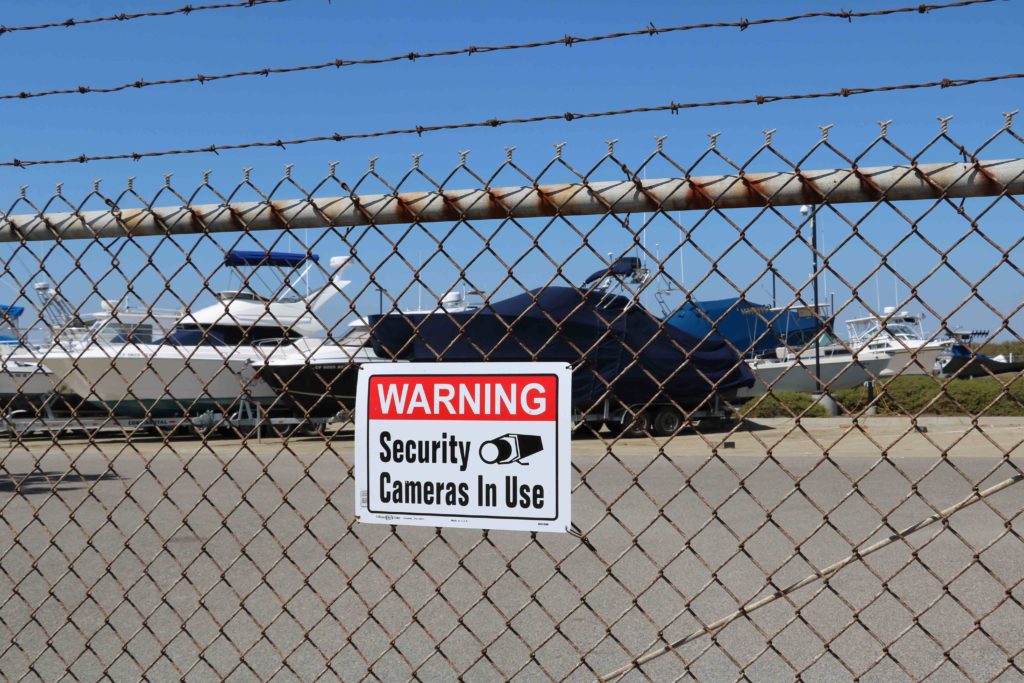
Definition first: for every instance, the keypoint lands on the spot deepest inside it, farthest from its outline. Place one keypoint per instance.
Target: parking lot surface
(238, 558)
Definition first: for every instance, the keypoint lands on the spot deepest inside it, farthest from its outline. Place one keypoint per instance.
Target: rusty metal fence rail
(797, 405)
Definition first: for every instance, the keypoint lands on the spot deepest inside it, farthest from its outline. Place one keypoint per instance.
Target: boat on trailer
(833, 367)
(28, 387)
(317, 377)
(24, 384)
(901, 335)
(631, 371)
(204, 363)
(783, 346)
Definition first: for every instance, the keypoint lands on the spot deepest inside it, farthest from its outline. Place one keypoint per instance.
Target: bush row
(917, 394)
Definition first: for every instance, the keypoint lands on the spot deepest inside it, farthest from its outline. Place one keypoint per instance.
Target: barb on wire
(419, 130)
(568, 40)
(128, 16)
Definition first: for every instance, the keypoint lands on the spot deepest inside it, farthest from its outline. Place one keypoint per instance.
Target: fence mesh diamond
(797, 431)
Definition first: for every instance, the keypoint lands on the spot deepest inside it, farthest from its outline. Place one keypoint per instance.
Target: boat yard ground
(236, 537)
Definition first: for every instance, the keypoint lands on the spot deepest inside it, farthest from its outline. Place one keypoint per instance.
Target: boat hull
(27, 386)
(314, 389)
(965, 367)
(166, 382)
(793, 376)
(920, 361)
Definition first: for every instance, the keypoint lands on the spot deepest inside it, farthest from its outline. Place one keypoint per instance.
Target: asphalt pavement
(237, 559)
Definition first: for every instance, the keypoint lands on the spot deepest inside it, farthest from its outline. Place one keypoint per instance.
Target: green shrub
(783, 404)
(921, 394)
(1003, 348)
(911, 395)
(985, 395)
(851, 401)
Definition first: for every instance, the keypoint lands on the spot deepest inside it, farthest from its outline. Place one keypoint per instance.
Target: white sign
(482, 445)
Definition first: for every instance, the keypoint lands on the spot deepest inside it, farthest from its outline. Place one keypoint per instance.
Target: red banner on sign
(463, 397)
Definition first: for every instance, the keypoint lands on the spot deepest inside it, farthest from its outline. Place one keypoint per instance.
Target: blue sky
(811, 55)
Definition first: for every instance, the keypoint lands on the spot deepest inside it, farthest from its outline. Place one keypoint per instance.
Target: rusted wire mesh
(176, 490)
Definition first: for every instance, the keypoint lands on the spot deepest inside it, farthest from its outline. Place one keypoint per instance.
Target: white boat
(318, 377)
(27, 384)
(204, 363)
(902, 336)
(795, 371)
(22, 382)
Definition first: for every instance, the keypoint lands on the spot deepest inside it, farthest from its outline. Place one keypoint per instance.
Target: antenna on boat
(878, 295)
(643, 236)
(54, 310)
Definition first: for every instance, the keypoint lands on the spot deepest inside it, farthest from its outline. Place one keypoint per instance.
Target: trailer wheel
(631, 426)
(667, 422)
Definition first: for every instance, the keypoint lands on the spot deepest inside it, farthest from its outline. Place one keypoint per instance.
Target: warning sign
(483, 445)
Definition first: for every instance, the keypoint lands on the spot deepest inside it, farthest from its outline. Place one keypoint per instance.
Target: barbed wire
(128, 16)
(567, 40)
(673, 107)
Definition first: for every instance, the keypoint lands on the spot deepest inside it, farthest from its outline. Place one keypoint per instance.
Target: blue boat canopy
(752, 328)
(13, 312)
(242, 257)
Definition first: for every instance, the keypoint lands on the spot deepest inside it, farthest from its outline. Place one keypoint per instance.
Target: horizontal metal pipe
(744, 190)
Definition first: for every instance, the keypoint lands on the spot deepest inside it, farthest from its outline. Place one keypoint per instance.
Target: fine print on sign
(482, 445)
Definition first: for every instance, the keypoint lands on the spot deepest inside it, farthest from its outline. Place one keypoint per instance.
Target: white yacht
(318, 377)
(902, 336)
(204, 362)
(795, 371)
(27, 384)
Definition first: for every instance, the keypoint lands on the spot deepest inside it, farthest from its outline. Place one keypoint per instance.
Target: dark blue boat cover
(11, 312)
(753, 329)
(242, 257)
(597, 334)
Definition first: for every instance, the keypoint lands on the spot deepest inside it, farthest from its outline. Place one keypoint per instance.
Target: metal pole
(783, 188)
(817, 309)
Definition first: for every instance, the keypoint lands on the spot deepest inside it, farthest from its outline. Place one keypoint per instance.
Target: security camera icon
(510, 448)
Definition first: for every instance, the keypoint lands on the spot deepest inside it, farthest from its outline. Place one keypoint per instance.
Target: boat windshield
(358, 337)
(124, 333)
(826, 339)
(902, 331)
(8, 332)
(224, 335)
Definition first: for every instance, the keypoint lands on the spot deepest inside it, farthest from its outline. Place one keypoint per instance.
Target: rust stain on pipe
(739, 190)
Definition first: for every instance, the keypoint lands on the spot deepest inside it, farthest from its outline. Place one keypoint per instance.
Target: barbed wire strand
(673, 107)
(129, 16)
(567, 40)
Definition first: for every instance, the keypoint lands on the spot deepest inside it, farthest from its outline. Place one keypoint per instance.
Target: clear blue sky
(702, 65)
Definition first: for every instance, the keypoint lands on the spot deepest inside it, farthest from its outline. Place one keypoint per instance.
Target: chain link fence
(797, 405)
